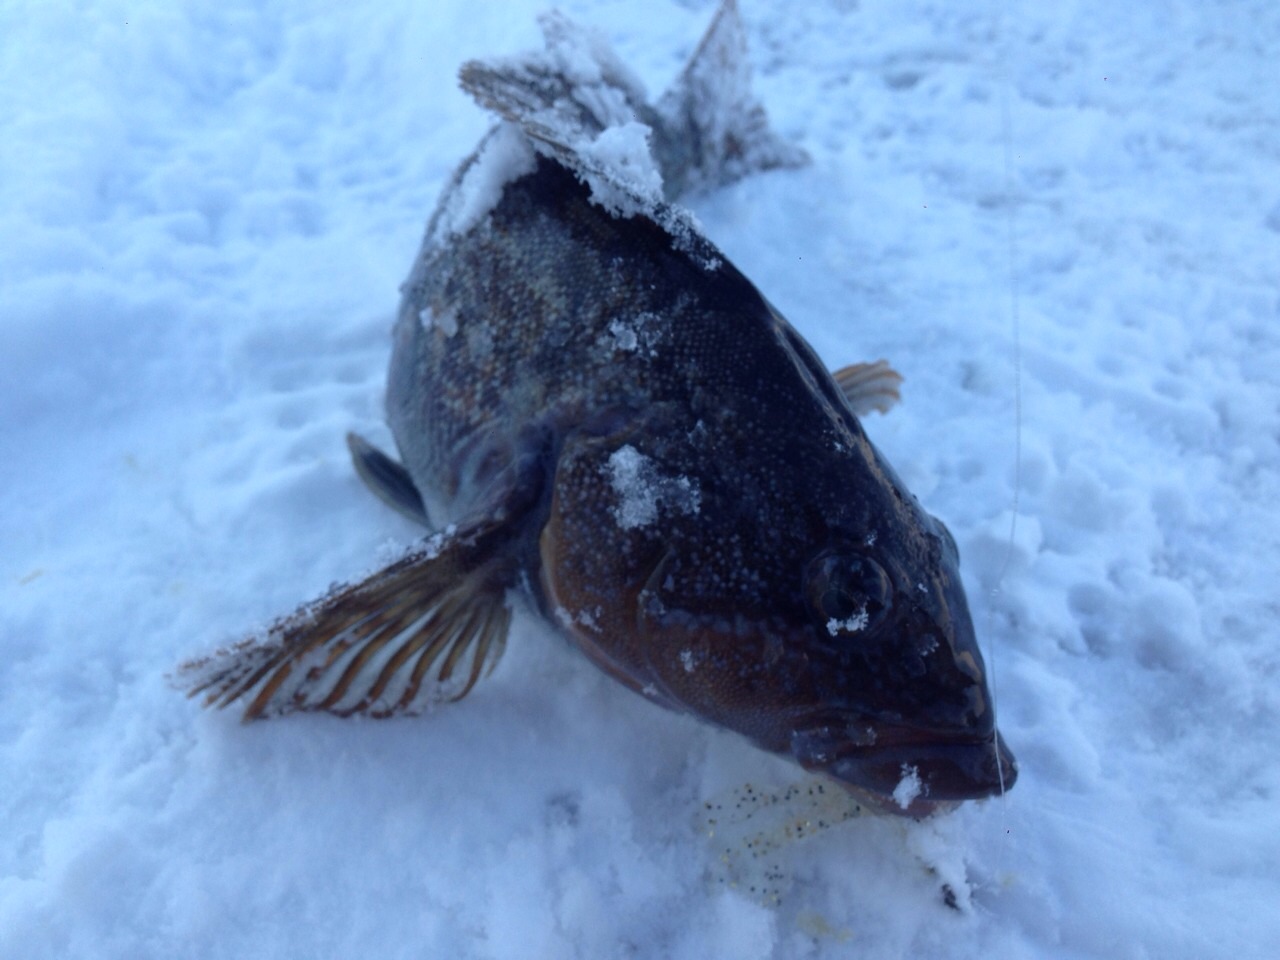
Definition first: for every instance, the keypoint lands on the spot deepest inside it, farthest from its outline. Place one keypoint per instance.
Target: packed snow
(205, 212)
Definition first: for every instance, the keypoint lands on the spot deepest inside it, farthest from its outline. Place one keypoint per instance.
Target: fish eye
(849, 594)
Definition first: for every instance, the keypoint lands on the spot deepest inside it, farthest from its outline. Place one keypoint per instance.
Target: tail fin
(582, 105)
(579, 103)
(713, 130)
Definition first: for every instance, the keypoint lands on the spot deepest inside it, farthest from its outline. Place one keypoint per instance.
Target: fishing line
(1015, 297)
(1015, 316)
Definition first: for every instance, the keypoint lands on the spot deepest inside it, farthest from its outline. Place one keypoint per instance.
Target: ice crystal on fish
(640, 489)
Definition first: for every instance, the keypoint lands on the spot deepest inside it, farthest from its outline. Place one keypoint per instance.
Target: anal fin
(869, 386)
(421, 631)
(389, 481)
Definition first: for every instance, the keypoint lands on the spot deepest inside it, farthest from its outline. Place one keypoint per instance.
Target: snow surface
(205, 211)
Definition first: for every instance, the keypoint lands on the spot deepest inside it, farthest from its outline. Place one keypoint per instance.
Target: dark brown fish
(595, 406)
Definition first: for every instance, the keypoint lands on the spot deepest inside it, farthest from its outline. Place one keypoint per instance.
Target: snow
(623, 151)
(205, 213)
(640, 333)
(908, 788)
(852, 624)
(505, 155)
(641, 488)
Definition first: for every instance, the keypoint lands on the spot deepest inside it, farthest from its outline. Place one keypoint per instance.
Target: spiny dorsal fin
(583, 107)
(419, 632)
(869, 386)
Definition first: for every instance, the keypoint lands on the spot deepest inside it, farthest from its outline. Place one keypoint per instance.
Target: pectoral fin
(418, 632)
(869, 386)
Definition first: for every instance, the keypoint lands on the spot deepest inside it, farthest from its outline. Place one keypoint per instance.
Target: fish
(600, 419)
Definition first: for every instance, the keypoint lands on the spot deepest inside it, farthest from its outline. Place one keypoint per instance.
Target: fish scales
(593, 406)
(560, 277)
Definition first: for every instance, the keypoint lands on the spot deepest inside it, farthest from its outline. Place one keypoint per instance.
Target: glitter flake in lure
(593, 406)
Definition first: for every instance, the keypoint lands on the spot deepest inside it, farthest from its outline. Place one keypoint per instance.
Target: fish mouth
(912, 773)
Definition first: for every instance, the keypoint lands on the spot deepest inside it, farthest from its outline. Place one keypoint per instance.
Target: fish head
(853, 653)
(902, 709)
(866, 671)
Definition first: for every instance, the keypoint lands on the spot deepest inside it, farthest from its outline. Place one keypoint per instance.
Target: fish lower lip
(946, 771)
